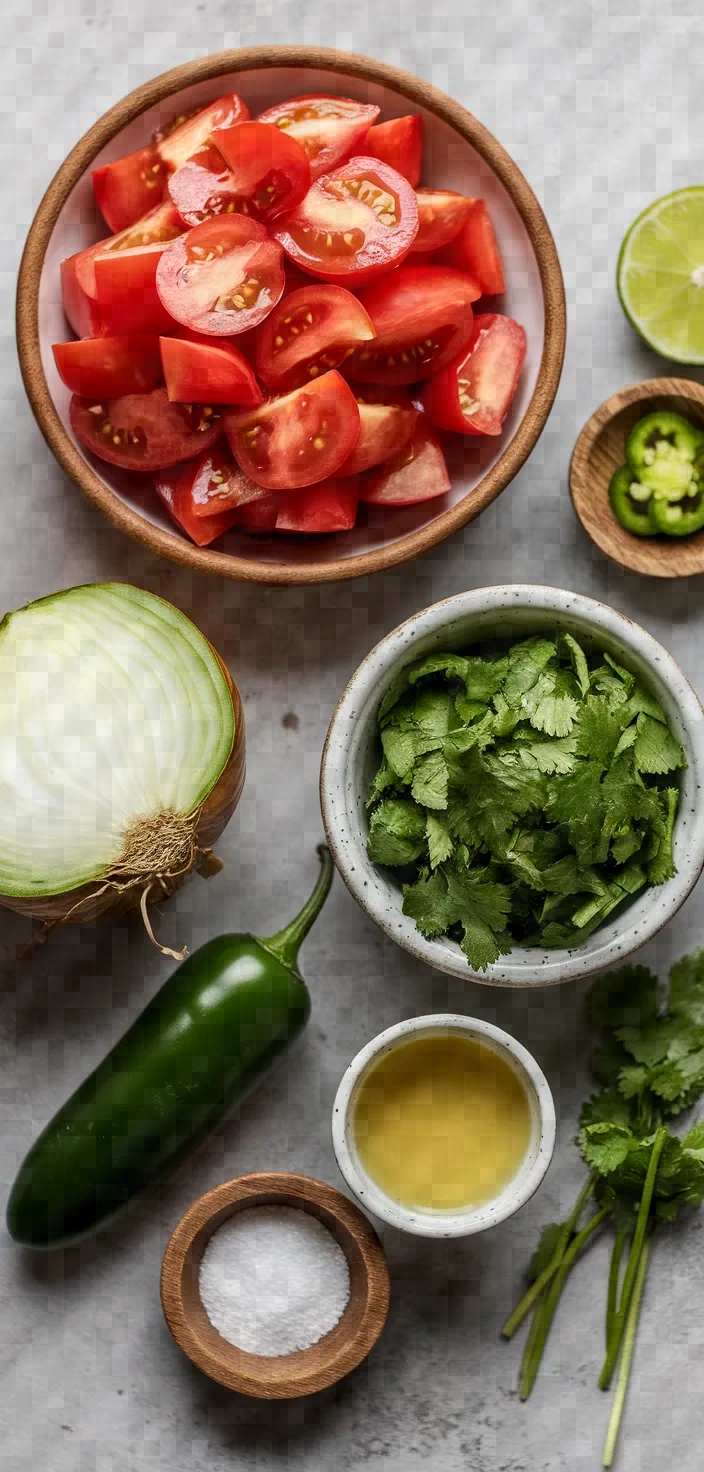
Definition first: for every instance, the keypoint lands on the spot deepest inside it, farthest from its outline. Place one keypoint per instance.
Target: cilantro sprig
(650, 1060)
(525, 797)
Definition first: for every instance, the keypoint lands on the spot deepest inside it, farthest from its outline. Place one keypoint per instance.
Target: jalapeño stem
(286, 943)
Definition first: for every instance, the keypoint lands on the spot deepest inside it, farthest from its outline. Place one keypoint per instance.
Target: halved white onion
(116, 725)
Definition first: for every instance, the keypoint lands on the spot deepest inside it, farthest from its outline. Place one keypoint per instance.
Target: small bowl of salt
(275, 1285)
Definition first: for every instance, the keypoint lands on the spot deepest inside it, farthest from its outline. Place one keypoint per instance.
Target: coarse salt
(273, 1279)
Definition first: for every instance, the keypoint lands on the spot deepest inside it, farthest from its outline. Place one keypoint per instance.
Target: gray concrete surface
(600, 103)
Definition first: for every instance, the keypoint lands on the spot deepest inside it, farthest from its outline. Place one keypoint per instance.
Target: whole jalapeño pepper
(203, 1041)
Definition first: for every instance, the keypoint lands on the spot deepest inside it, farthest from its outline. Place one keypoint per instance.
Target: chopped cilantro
(548, 765)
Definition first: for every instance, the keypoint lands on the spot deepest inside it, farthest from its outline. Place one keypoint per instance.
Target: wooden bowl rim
(256, 58)
(662, 559)
(308, 1372)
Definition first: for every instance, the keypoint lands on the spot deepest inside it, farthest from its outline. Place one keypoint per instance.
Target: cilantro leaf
(454, 666)
(608, 1107)
(578, 661)
(599, 730)
(430, 778)
(484, 677)
(552, 758)
(384, 778)
(526, 661)
(686, 999)
(662, 862)
(427, 903)
(656, 749)
(396, 832)
(606, 1145)
(440, 842)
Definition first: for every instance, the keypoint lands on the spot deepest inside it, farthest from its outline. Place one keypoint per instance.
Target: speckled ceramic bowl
(352, 753)
(426, 1223)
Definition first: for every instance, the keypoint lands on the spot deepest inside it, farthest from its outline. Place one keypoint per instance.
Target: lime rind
(660, 275)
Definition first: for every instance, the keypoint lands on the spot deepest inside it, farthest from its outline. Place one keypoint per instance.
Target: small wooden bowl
(307, 1370)
(601, 449)
(460, 154)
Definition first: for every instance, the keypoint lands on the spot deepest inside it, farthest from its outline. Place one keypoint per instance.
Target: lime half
(660, 275)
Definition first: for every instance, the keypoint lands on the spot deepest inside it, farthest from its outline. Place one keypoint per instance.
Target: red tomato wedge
(384, 430)
(78, 287)
(223, 277)
(422, 317)
(353, 225)
(144, 431)
(80, 310)
(299, 438)
(310, 331)
(441, 215)
(328, 128)
(212, 372)
(475, 250)
(328, 507)
(260, 516)
(180, 143)
(398, 143)
(109, 367)
(174, 489)
(216, 483)
(473, 393)
(267, 173)
(417, 473)
(131, 186)
(125, 283)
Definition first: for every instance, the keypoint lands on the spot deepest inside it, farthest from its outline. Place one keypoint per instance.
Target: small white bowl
(352, 751)
(425, 1223)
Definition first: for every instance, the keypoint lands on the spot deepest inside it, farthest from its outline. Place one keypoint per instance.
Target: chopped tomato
(260, 516)
(109, 367)
(475, 250)
(417, 473)
(311, 330)
(422, 317)
(353, 225)
(78, 286)
(178, 144)
(207, 372)
(299, 438)
(223, 277)
(144, 431)
(127, 188)
(173, 486)
(125, 284)
(398, 143)
(328, 128)
(441, 214)
(473, 393)
(384, 430)
(330, 506)
(267, 173)
(216, 483)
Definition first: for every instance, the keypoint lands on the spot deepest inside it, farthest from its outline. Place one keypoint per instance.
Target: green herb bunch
(526, 796)
(651, 1066)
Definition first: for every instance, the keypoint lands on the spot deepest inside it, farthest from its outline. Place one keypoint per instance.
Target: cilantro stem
(523, 1308)
(619, 1318)
(546, 1313)
(612, 1299)
(624, 1370)
(532, 1339)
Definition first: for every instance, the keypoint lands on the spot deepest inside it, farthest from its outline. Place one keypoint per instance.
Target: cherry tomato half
(475, 250)
(173, 486)
(441, 215)
(207, 372)
(328, 128)
(109, 367)
(330, 506)
(297, 439)
(126, 189)
(310, 331)
(384, 430)
(417, 473)
(144, 431)
(223, 277)
(268, 171)
(473, 393)
(398, 143)
(422, 316)
(175, 145)
(353, 225)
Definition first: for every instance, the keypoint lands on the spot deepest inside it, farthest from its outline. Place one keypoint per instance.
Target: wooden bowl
(307, 1370)
(601, 449)
(459, 154)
